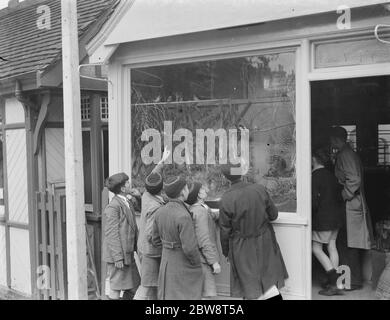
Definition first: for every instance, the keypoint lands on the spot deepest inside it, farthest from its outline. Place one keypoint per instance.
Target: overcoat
(150, 204)
(120, 238)
(349, 172)
(149, 254)
(248, 240)
(206, 234)
(180, 276)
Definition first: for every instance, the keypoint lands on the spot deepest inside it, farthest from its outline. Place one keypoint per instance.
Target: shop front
(255, 76)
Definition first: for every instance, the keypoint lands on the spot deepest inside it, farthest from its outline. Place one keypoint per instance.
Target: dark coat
(349, 172)
(328, 208)
(180, 276)
(248, 240)
(120, 233)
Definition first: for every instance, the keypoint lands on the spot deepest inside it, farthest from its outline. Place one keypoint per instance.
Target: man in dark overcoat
(120, 240)
(356, 236)
(180, 276)
(257, 269)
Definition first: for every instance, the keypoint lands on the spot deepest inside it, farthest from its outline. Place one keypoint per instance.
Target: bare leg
(321, 256)
(333, 254)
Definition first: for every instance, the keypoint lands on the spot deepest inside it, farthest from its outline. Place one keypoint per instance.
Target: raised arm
(160, 165)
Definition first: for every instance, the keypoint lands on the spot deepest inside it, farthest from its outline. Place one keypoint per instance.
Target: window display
(256, 93)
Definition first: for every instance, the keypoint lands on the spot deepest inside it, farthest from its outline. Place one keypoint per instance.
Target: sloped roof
(28, 48)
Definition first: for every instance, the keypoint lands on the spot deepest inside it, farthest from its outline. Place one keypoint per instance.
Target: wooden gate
(51, 244)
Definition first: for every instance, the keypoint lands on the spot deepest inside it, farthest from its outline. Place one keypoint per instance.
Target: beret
(154, 183)
(193, 195)
(173, 186)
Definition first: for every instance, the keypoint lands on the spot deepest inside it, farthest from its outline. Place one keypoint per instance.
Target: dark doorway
(362, 107)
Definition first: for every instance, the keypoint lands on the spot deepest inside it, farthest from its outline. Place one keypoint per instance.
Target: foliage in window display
(265, 105)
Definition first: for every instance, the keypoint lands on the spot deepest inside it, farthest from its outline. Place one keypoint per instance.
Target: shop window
(384, 144)
(85, 108)
(350, 52)
(254, 92)
(104, 108)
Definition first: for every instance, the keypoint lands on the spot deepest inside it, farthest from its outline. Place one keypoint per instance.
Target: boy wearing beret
(180, 276)
(120, 240)
(150, 255)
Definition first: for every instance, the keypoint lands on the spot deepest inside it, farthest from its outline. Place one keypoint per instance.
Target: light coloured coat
(349, 172)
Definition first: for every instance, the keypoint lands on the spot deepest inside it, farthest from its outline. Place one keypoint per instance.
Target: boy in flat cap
(180, 276)
(150, 255)
(120, 240)
(248, 240)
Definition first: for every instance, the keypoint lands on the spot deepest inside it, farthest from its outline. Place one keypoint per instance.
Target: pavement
(366, 293)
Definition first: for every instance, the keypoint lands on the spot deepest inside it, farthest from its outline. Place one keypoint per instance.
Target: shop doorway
(362, 107)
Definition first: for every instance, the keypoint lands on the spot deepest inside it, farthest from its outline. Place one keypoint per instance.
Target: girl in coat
(206, 235)
(327, 218)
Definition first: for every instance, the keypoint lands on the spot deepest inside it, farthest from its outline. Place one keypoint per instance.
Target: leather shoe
(331, 291)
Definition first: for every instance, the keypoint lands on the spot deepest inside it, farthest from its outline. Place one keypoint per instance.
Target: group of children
(176, 240)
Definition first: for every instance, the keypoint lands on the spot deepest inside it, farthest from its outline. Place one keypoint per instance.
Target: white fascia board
(150, 19)
(102, 54)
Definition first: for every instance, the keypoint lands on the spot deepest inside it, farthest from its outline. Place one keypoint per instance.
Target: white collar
(319, 167)
(124, 199)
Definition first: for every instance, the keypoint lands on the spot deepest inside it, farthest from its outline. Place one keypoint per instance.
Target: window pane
(351, 139)
(351, 52)
(85, 108)
(105, 155)
(87, 167)
(256, 92)
(384, 144)
(104, 108)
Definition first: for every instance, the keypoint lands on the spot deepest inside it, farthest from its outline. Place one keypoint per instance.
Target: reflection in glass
(257, 93)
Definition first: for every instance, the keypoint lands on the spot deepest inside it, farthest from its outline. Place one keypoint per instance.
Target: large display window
(257, 93)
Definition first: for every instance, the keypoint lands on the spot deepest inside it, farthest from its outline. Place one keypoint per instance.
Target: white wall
(17, 176)
(14, 112)
(20, 261)
(3, 260)
(17, 202)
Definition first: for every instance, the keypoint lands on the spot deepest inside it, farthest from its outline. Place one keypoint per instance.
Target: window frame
(300, 49)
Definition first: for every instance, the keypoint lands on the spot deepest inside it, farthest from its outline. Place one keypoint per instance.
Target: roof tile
(28, 48)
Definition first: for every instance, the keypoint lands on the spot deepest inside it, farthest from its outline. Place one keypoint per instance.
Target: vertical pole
(75, 212)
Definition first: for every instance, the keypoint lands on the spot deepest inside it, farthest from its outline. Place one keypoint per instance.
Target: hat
(173, 186)
(227, 171)
(193, 195)
(115, 182)
(154, 183)
(339, 132)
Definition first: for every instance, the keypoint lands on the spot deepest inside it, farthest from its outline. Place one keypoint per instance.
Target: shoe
(354, 287)
(331, 291)
(325, 283)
